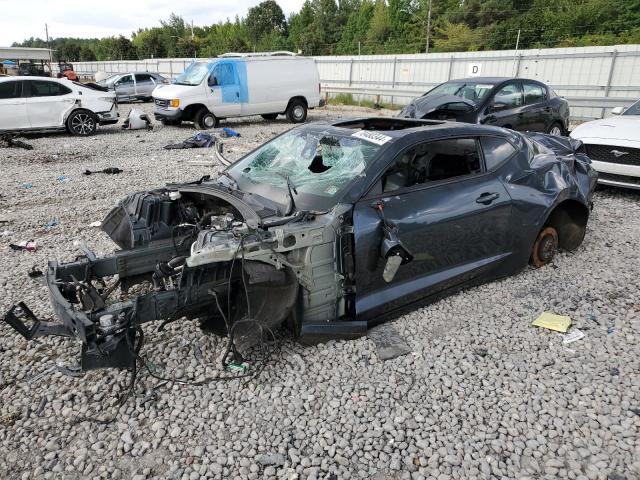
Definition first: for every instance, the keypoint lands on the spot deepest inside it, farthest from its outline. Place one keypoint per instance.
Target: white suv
(38, 103)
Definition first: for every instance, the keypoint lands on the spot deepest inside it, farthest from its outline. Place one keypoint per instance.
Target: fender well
(569, 218)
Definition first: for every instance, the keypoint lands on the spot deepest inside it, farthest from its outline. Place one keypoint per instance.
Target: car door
(125, 87)
(224, 90)
(48, 103)
(505, 107)
(450, 215)
(536, 110)
(13, 106)
(144, 85)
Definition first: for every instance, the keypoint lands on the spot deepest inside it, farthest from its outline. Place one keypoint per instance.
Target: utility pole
(195, 54)
(358, 47)
(46, 31)
(428, 27)
(515, 57)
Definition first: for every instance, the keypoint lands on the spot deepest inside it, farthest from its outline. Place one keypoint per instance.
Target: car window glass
(126, 80)
(223, 72)
(143, 77)
(10, 90)
(431, 162)
(533, 93)
(496, 150)
(509, 95)
(633, 109)
(47, 89)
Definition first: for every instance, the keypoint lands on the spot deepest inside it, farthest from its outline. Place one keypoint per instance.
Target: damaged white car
(28, 103)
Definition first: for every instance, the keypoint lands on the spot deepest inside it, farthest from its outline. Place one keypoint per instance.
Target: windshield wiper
(291, 188)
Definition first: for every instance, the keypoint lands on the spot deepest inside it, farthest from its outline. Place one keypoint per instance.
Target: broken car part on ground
(328, 229)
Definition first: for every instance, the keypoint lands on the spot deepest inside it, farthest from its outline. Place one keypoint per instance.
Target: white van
(236, 85)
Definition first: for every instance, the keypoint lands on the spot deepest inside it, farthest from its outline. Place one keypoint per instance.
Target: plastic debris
(34, 273)
(108, 171)
(610, 330)
(137, 120)
(43, 403)
(26, 245)
(615, 372)
(388, 342)
(63, 179)
(228, 132)
(41, 375)
(96, 224)
(199, 140)
(573, 336)
(70, 370)
(54, 222)
(27, 185)
(551, 321)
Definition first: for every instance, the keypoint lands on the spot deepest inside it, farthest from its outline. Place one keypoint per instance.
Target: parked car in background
(515, 103)
(30, 69)
(133, 85)
(614, 146)
(28, 103)
(329, 228)
(238, 85)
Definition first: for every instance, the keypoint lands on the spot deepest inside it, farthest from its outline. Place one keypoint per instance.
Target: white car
(614, 146)
(33, 103)
(237, 85)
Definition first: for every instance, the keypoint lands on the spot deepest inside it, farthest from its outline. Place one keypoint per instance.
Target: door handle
(486, 198)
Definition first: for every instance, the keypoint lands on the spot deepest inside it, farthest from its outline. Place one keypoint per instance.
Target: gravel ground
(483, 394)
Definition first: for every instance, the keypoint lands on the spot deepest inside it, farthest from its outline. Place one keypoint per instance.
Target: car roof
(32, 77)
(492, 79)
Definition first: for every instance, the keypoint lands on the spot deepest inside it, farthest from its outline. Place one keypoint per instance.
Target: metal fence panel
(593, 79)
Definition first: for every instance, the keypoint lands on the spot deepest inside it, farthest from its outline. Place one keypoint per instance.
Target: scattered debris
(615, 372)
(41, 375)
(592, 317)
(227, 132)
(108, 171)
(610, 330)
(199, 140)
(573, 336)
(9, 141)
(27, 185)
(551, 321)
(388, 342)
(137, 120)
(54, 222)
(34, 272)
(96, 224)
(70, 370)
(43, 403)
(63, 179)
(27, 245)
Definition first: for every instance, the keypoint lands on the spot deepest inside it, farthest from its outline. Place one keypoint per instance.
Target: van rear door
(224, 92)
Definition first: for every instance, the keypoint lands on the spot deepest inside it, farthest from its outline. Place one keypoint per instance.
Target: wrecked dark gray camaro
(328, 229)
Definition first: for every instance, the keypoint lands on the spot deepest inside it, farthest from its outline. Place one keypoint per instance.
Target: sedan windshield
(633, 109)
(110, 80)
(193, 75)
(476, 92)
(318, 165)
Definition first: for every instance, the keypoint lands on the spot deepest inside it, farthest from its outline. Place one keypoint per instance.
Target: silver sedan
(133, 85)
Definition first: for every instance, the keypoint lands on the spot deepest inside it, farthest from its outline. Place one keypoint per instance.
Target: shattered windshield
(193, 75)
(475, 92)
(320, 164)
(633, 109)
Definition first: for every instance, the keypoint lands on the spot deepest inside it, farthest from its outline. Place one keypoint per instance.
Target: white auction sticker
(373, 137)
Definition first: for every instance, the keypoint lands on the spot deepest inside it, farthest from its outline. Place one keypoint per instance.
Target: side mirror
(391, 248)
(618, 111)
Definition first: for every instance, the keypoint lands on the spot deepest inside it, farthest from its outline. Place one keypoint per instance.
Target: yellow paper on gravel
(558, 323)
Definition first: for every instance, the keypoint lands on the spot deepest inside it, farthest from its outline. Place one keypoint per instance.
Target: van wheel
(82, 123)
(269, 116)
(205, 120)
(297, 111)
(544, 248)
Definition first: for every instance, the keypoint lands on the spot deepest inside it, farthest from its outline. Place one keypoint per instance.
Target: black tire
(556, 129)
(82, 123)
(205, 120)
(269, 116)
(297, 111)
(544, 248)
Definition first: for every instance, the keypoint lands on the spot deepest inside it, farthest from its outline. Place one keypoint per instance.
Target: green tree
(267, 18)
(457, 37)
(379, 28)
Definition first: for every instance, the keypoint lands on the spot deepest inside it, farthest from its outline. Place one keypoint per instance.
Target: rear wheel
(269, 116)
(82, 123)
(297, 111)
(556, 130)
(544, 248)
(205, 120)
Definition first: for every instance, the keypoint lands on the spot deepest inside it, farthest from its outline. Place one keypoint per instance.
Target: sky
(22, 19)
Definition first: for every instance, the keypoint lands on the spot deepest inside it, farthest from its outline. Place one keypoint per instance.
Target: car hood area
(452, 105)
(624, 130)
(167, 92)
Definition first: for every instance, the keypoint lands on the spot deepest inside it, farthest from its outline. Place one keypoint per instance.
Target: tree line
(348, 27)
